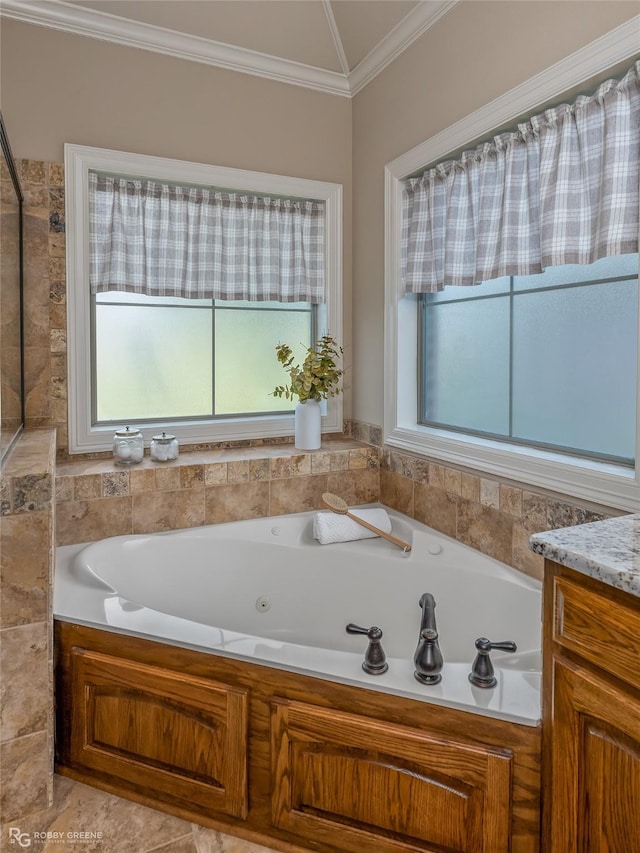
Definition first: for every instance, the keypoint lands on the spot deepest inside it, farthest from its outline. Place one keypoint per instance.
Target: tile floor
(126, 827)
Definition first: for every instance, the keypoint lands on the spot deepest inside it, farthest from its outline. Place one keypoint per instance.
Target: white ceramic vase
(307, 425)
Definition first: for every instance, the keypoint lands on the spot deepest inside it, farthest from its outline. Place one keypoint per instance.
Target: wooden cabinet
(370, 785)
(287, 761)
(591, 716)
(164, 734)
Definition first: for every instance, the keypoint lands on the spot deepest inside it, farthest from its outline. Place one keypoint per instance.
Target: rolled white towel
(331, 527)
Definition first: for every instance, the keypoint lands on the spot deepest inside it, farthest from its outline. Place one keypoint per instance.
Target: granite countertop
(608, 550)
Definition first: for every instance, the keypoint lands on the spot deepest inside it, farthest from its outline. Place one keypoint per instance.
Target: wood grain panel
(164, 732)
(386, 786)
(612, 819)
(262, 685)
(595, 761)
(605, 636)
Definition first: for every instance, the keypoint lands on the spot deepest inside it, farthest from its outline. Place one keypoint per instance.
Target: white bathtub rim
(515, 706)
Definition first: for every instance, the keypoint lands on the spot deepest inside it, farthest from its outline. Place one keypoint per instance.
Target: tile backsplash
(95, 498)
(493, 516)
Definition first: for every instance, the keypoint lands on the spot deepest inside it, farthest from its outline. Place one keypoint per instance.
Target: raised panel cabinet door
(603, 636)
(165, 734)
(595, 765)
(360, 784)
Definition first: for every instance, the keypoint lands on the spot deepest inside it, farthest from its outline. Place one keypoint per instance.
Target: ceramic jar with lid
(128, 446)
(164, 448)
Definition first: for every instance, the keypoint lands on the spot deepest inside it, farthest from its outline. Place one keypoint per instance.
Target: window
(178, 359)
(206, 367)
(498, 358)
(459, 384)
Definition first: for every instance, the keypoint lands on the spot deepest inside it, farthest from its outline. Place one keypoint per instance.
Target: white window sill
(100, 438)
(602, 483)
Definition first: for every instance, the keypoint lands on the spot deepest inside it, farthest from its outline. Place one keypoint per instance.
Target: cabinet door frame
(206, 706)
(582, 700)
(479, 775)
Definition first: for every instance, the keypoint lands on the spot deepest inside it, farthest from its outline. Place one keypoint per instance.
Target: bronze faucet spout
(428, 658)
(428, 605)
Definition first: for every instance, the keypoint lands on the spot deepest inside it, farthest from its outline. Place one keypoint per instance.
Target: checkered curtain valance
(164, 240)
(562, 189)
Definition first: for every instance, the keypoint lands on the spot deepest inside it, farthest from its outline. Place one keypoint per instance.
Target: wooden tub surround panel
(292, 762)
(172, 735)
(592, 716)
(385, 784)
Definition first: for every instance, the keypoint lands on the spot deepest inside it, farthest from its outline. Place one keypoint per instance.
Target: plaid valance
(562, 189)
(165, 240)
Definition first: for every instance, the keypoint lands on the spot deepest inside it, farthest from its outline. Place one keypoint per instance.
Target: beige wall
(472, 55)
(59, 88)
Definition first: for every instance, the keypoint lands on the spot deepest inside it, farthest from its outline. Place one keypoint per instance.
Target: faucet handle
(375, 661)
(482, 644)
(373, 633)
(482, 673)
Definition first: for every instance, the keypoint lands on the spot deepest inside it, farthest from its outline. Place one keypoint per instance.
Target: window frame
(84, 437)
(599, 482)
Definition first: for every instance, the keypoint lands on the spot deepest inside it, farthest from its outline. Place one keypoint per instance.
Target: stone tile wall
(96, 498)
(45, 296)
(493, 516)
(26, 653)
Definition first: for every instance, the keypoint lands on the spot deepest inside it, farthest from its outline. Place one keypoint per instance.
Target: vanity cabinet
(591, 730)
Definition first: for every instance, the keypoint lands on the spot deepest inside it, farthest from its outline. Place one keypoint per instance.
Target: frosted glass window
(617, 266)
(453, 293)
(246, 366)
(467, 347)
(172, 358)
(574, 355)
(152, 362)
(548, 361)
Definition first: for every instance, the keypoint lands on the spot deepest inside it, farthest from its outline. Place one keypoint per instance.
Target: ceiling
(336, 46)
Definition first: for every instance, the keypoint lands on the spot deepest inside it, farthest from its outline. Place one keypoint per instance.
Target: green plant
(318, 377)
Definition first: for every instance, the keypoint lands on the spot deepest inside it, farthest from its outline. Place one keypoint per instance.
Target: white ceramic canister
(164, 448)
(128, 446)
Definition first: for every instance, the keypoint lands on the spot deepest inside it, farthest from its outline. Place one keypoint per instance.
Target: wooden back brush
(339, 506)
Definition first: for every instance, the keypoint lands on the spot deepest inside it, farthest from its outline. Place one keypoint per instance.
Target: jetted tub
(265, 591)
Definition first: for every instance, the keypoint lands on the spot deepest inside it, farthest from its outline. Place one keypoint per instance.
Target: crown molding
(335, 35)
(411, 27)
(66, 17)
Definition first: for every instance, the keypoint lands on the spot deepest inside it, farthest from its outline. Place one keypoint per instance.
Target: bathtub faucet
(428, 658)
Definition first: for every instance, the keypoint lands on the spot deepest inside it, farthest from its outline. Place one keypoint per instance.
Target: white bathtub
(265, 591)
